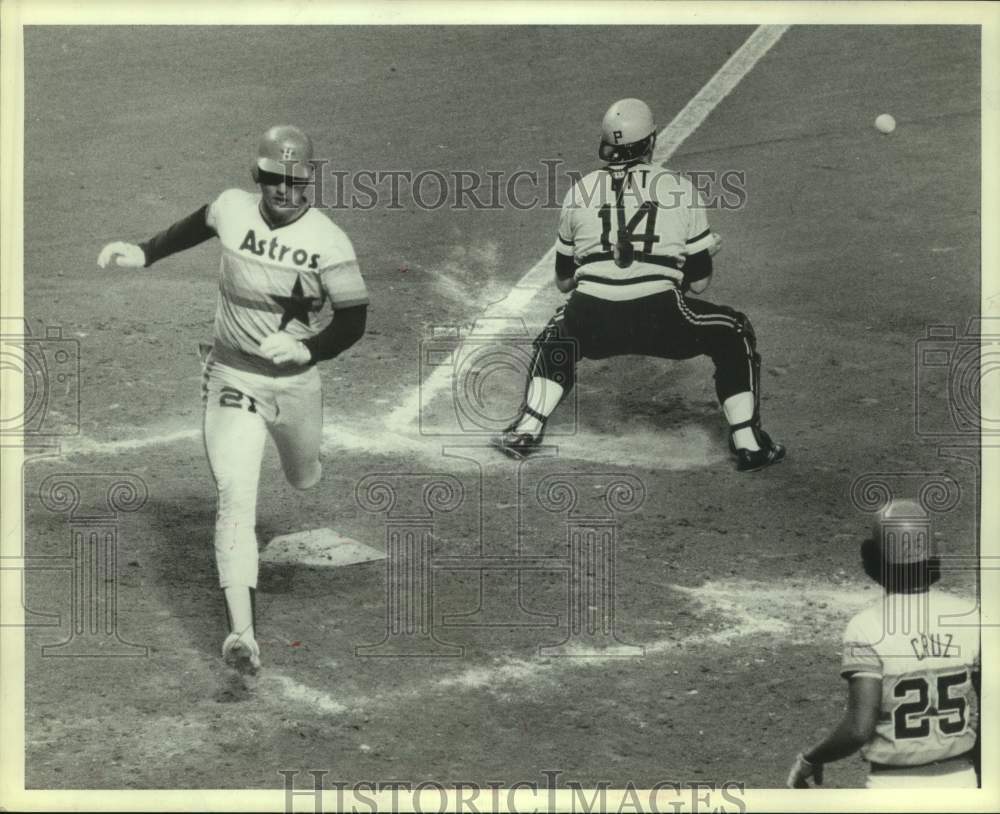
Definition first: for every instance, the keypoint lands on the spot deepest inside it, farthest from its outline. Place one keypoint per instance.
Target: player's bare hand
(801, 771)
(282, 349)
(123, 254)
(716, 244)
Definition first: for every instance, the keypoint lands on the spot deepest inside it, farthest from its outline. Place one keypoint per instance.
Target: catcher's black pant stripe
(720, 318)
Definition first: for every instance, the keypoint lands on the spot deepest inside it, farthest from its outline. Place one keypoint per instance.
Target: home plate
(318, 547)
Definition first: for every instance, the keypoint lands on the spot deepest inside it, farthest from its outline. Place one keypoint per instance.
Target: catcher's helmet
(627, 131)
(284, 150)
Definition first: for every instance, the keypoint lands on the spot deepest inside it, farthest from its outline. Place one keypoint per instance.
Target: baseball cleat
(243, 655)
(752, 460)
(516, 445)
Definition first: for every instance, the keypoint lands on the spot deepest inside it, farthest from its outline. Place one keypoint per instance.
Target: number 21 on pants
(231, 397)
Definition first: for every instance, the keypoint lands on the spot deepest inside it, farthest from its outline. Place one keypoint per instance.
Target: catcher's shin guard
(555, 354)
(554, 361)
(737, 363)
(770, 452)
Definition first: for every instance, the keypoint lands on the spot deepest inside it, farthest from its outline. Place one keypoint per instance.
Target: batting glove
(282, 349)
(801, 771)
(125, 254)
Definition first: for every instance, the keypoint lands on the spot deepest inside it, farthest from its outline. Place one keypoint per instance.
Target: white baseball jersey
(272, 278)
(658, 211)
(924, 647)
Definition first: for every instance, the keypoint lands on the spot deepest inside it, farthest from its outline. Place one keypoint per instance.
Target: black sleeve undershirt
(697, 267)
(565, 266)
(347, 327)
(184, 234)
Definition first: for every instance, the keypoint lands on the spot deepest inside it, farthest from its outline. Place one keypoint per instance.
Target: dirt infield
(729, 593)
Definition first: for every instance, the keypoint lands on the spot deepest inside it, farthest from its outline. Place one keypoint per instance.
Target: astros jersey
(923, 648)
(287, 278)
(659, 212)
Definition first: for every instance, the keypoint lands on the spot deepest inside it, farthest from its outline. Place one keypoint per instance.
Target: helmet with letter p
(284, 150)
(627, 132)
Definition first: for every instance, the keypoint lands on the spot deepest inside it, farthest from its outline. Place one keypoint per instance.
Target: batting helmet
(902, 533)
(285, 150)
(627, 131)
(901, 553)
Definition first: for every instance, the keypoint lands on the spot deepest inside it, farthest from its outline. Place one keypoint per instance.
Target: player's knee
(305, 478)
(746, 328)
(237, 572)
(236, 496)
(726, 348)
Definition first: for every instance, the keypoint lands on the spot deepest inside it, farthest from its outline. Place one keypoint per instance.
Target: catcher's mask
(627, 132)
(283, 153)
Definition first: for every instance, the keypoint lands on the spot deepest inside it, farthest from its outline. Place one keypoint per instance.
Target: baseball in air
(885, 123)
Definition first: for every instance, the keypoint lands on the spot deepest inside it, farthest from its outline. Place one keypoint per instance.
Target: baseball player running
(633, 243)
(290, 295)
(912, 665)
